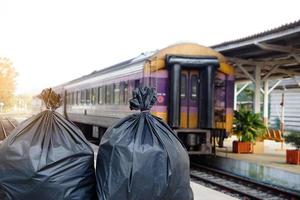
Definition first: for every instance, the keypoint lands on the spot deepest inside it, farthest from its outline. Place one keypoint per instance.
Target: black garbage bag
(140, 157)
(47, 158)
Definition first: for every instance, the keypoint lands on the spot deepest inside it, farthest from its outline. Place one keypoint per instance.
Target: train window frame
(130, 88)
(77, 97)
(183, 95)
(68, 98)
(194, 79)
(116, 93)
(73, 98)
(94, 96)
(126, 89)
(82, 97)
(124, 92)
(137, 83)
(99, 95)
(103, 94)
(108, 94)
(88, 96)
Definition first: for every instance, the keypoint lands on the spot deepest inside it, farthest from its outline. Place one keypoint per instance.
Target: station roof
(277, 51)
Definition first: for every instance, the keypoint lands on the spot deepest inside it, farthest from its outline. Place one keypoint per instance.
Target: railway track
(238, 186)
(6, 126)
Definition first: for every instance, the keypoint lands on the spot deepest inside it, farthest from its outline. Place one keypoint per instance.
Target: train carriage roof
(141, 58)
(180, 49)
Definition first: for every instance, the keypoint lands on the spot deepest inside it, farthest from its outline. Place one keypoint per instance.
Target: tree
(7, 82)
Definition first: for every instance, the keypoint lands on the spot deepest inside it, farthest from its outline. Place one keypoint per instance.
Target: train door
(189, 106)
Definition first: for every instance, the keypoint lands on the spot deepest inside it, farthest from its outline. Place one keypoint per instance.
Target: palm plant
(248, 125)
(294, 139)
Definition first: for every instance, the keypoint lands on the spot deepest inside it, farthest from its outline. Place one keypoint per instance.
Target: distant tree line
(7, 83)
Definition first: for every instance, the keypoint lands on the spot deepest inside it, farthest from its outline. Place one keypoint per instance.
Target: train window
(153, 81)
(73, 98)
(82, 96)
(67, 98)
(130, 89)
(70, 98)
(137, 83)
(88, 96)
(101, 95)
(194, 87)
(123, 92)
(94, 96)
(117, 93)
(126, 93)
(183, 86)
(108, 95)
(77, 97)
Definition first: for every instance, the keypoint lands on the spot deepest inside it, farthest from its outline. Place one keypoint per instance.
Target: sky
(54, 41)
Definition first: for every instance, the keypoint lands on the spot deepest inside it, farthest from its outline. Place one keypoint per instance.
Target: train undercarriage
(196, 141)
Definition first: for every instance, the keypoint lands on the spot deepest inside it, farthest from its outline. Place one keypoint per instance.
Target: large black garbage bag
(47, 158)
(140, 157)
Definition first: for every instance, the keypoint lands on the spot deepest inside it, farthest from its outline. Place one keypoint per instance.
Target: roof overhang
(276, 51)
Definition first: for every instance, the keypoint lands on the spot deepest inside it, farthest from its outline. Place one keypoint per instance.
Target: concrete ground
(272, 155)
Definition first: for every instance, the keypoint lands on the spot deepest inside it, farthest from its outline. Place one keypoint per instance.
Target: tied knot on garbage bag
(143, 98)
(51, 99)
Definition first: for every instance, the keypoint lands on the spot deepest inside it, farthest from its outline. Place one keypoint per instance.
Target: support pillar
(282, 112)
(235, 96)
(266, 102)
(257, 89)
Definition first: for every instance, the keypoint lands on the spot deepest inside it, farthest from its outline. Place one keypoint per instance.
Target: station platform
(272, 155)
(268, 166)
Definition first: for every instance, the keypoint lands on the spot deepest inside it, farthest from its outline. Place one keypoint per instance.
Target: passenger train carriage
(194, 87)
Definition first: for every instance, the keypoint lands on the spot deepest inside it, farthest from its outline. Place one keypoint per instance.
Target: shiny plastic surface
(46, 158)
(140, 157)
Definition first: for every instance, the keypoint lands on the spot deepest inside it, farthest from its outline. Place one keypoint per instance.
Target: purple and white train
(194, 89)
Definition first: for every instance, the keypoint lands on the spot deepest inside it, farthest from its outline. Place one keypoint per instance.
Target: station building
(269, 62)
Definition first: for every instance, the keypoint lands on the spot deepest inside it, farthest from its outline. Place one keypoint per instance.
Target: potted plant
(293, 155)
(248, 126)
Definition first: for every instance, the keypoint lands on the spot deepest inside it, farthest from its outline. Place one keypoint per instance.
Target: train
(194, 85)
